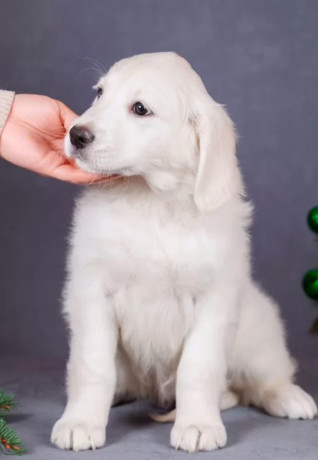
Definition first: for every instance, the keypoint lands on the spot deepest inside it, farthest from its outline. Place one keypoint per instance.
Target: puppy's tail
(229, 399)
(164, 418)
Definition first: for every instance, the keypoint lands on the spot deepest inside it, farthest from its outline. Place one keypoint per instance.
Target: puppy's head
(153, 117)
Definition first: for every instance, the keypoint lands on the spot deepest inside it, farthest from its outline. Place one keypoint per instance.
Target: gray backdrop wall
(259, 57)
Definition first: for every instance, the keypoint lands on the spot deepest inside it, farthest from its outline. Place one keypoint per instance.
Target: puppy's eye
(99, 92)
(139, 109)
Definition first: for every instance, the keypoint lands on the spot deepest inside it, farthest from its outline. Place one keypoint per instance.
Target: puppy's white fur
(159, 297)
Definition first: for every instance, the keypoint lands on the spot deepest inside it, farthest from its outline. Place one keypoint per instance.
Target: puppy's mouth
(91, 166)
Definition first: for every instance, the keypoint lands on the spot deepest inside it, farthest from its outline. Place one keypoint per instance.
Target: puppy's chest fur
(141, 239)
(155, 259)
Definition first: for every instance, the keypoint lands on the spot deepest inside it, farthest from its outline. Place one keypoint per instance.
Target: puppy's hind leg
(261, 367)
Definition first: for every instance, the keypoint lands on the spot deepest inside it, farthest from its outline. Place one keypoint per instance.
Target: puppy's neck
(168, 187)
(171, 186)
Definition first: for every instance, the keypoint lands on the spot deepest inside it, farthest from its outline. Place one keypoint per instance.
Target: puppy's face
(136, 124)
(153, 117)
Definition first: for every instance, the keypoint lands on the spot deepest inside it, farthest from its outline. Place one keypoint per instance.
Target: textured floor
(131, 435)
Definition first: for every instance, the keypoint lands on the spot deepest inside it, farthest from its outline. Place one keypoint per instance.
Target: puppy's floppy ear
(218, 177)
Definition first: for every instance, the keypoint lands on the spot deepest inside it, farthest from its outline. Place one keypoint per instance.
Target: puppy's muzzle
(81, 136)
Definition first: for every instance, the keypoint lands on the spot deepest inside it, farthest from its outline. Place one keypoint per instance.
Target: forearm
(6, 100)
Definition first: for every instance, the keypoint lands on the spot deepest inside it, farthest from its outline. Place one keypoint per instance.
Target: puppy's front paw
(194, 437)
(78, 435)
(290, 401)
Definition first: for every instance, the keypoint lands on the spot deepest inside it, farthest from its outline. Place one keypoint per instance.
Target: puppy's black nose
(81, 136)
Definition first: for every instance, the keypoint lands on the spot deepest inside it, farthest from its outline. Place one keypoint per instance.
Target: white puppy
(159, 297)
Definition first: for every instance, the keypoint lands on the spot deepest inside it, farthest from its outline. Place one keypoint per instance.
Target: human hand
(33, 138)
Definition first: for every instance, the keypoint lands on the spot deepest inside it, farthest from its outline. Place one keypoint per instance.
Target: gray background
(257, 57)
(260, 58)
